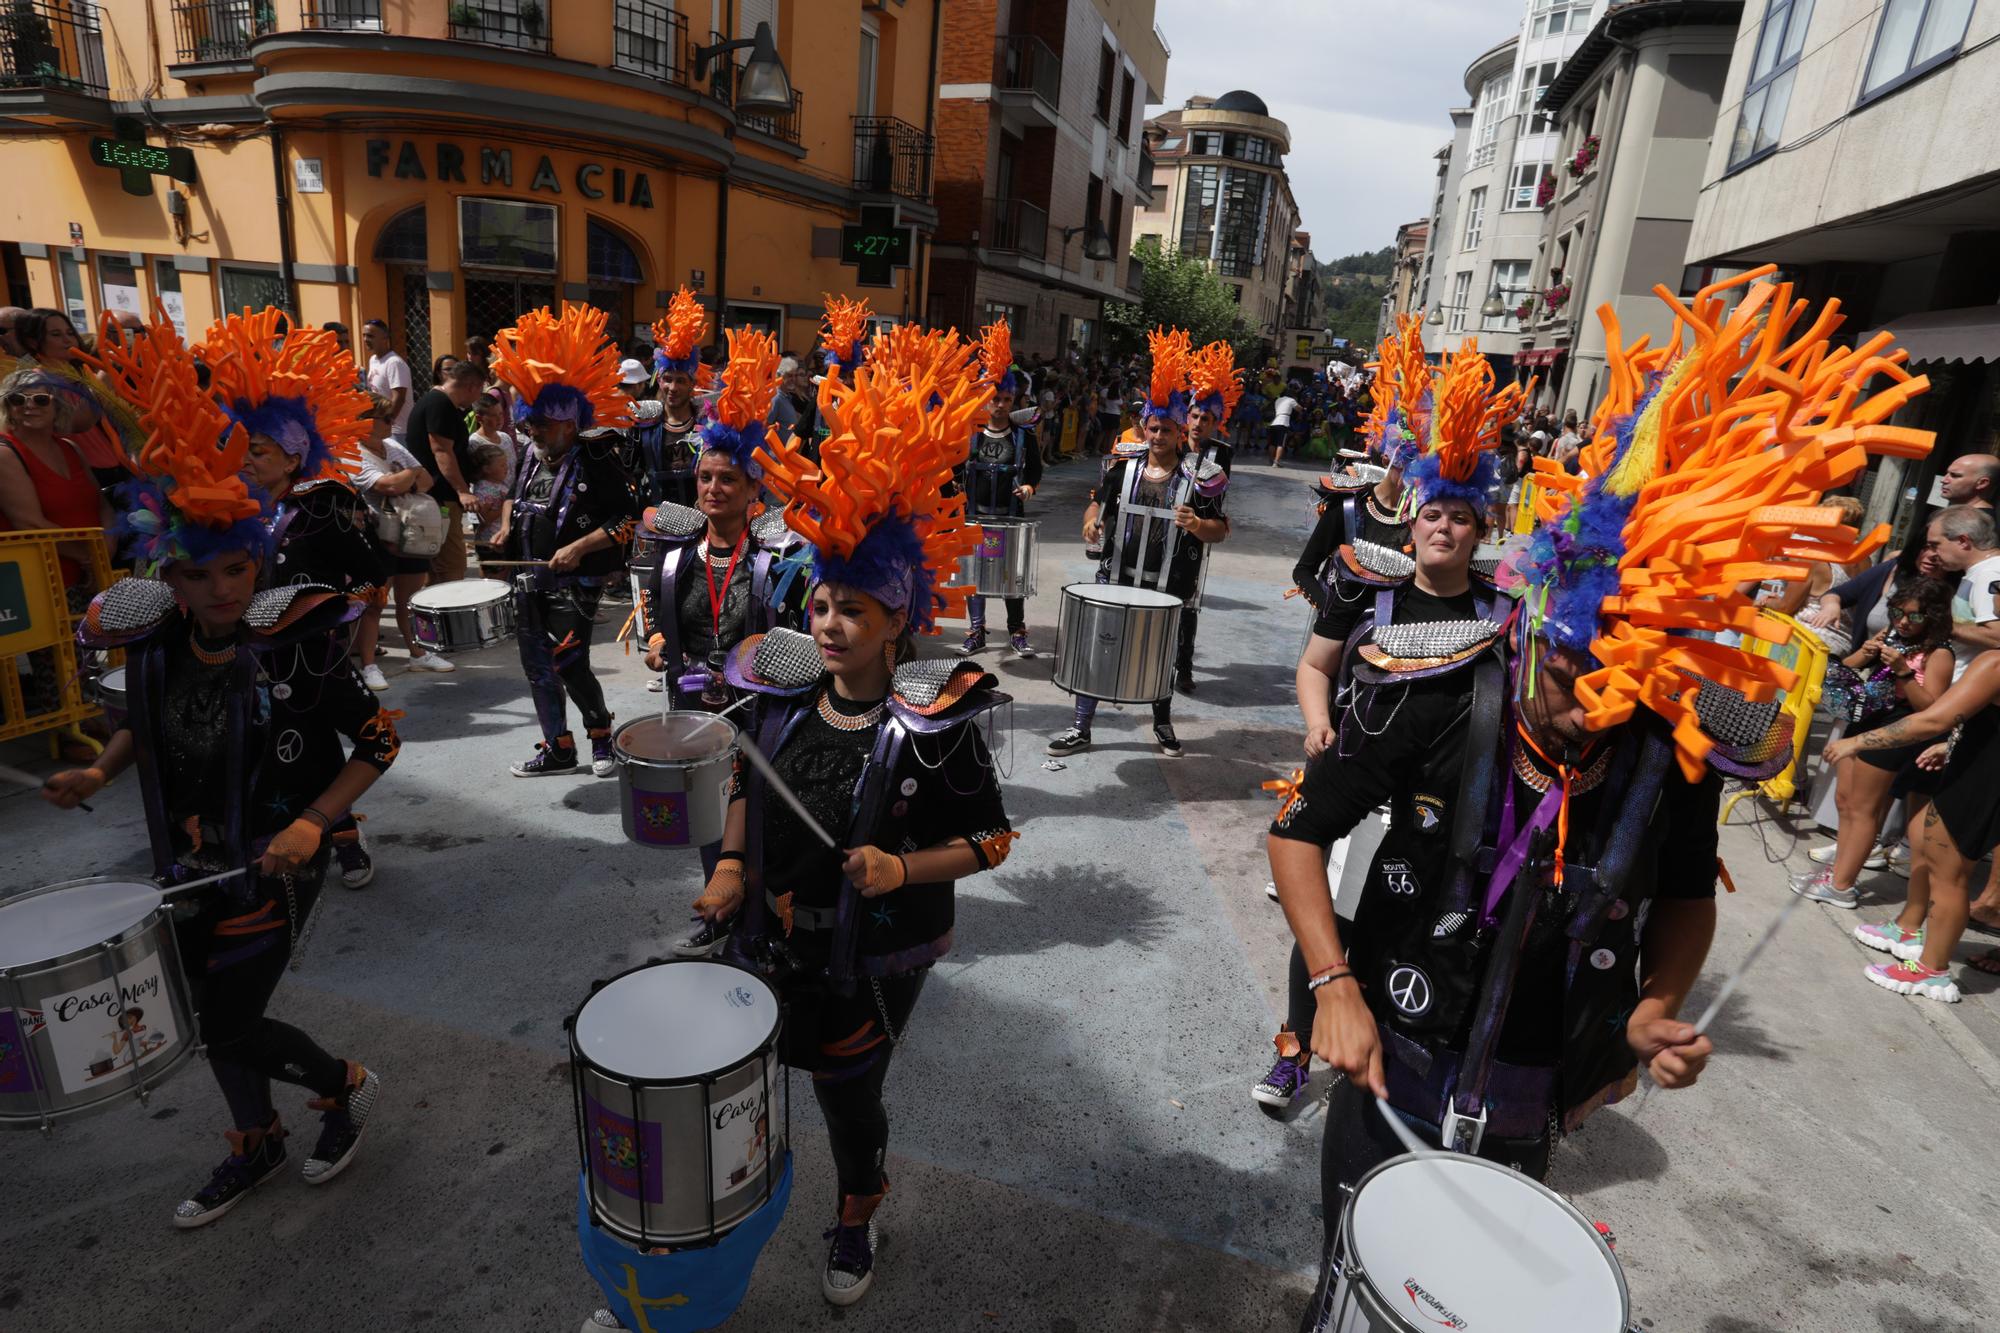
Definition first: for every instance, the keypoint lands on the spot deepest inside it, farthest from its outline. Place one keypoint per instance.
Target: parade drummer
(1448, 521)
(574, 513)
(1216, 386)
(1156, 515)
(1362, 529)
(293, 392)
(1495, 1010)
(670, 450)
(1002, 471)
(886, 752)
(238, 703)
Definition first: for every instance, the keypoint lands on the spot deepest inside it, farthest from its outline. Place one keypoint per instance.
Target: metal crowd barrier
(35, 618)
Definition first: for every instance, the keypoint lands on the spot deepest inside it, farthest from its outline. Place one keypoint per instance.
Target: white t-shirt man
(1977, 601)
(387, 373)
(1281, 411)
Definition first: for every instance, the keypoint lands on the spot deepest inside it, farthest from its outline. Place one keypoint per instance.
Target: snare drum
(1460, 1242)
(674, 1067)
(111, 696)
(1116, 643)
(93, 1005)
(458, 617)
(673, 778)
(1008, 558)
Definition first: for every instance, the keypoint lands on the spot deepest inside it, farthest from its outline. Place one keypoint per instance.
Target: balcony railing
(649, 39)
(778, 124)
(1025, 63)
(220, 30)
(891, 156)
(341, 15)
(1016, 224)
(52, 44)
(521, 24)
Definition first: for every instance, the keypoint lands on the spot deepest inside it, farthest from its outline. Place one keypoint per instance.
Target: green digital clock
(132, 155)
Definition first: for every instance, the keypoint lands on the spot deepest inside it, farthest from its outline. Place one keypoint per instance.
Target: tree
(1175, 290)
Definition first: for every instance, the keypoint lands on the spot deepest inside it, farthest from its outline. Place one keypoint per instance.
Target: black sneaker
(1184, 682)
(341, 1125)
(549, 761)
(975, 640)
(850, 1263)
(357, 868)
(1072, 741)
(703, 939)
(1170, 744)
(246, 1168)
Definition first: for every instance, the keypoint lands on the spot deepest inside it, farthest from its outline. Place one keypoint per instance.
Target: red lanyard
(715, 599)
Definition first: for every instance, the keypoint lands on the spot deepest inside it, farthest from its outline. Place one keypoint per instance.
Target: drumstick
(512, 564)
(201, 883)
(770, 775)
(19, 778)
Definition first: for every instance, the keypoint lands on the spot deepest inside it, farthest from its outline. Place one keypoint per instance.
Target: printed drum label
(993, 543)
(740, 1131)
(660, 818)
(16, 1026)
(109, 1026)
(624, 1157)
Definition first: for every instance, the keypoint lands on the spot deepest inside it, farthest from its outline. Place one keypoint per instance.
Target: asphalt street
(1073, 1145)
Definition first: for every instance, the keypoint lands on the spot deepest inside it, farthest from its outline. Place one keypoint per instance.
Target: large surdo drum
(1115, 643)
(1008, 558)
(459, 617)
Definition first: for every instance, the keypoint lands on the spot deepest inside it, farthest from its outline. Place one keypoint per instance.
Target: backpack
(410, 525)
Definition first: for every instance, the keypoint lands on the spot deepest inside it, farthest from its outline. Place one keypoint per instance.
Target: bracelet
(1330, 975)
(325, 824)
(720, 857)
(906, 869)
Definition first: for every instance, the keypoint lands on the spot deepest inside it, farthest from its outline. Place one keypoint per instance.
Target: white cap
(631, 372)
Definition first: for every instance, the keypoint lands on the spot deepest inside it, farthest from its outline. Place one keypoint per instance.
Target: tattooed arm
(1977, 688)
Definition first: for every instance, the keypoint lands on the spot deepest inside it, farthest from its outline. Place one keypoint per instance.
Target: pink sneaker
(1913, 978)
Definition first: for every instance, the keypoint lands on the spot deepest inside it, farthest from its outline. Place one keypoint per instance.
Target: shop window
(1915, 37)
(406, 240)
(608, 258)
(118, 284)
(992, 312)
(74, 305)
(246, 288)
(412, 292)
(494, 301)
(1769, 91)
(769, 318)
(167, 283)
(507, 234)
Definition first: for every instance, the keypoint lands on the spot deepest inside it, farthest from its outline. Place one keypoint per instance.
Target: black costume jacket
(584, 491)
(320, 532)
(668, 562)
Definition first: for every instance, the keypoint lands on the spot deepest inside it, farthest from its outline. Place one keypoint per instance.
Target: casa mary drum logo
(27, 616)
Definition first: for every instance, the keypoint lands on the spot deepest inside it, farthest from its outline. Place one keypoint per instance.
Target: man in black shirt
(441, 442)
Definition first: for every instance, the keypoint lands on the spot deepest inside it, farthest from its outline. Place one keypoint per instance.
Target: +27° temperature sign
(876, 246)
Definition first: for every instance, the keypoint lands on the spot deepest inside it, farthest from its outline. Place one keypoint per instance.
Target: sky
(1363, 86)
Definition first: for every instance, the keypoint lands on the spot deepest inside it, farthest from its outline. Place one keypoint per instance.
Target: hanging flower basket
(1523, 310)
(1545, 193)
(1586, 156)
(1556, 297)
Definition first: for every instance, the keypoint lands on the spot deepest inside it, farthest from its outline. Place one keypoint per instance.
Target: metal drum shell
(648, 784)
(23, 989)
(111, 696)
(1008, 559)
(463, 628)
(680, 1108)
(1117, 644)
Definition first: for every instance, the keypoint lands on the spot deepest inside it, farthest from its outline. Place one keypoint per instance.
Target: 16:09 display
(115, 153)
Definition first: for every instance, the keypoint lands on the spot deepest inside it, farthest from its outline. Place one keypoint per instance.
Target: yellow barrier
(35, 617)
(1805, 653)
(1524, 513)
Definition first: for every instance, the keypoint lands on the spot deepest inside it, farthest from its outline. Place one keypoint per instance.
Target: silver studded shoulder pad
(1729, 718)
(676, 522)
(770, 531)
(647, 411)
(268, 608)
(921, 681)
(1432, 640)
(1382, 561)
(128, 610)
(788, 659)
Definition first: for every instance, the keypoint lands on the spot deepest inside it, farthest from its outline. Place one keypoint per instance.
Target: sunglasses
(30, 399)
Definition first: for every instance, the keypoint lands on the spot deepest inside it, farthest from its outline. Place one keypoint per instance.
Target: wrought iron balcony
(891, 156)
(1017, 225)
(521, 24)
(649, 39)
(778, 124)
(341, 15)
(208, 31)
(1023, 63)
(52, 44)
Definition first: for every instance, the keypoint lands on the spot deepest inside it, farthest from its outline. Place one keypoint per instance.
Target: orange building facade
(444, 166)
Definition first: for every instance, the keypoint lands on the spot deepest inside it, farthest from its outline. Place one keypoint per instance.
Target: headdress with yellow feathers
(189, 500)
(735, 423)
(677, 339)
(1458, 461)
(563, 367)
(1710, 477)
(873, 507)
(291, 385)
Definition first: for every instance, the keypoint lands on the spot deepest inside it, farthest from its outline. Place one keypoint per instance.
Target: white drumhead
(39, 927)
(677, 738)
(677, 1020)
(464, 592)
(1456, 1238)
(1113, 594)
(112, 680)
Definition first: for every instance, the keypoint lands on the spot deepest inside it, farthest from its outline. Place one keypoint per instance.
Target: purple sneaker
(1020, 644)
(1282, 1086)
(850, 1262)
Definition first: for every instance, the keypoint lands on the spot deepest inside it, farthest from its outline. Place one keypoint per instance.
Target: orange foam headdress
(562, 367)
(1398, 420)
(189, 501)
(736, 427)
(840, 333)
(1728, 436)
(291, 385)
(873, 507)
(1458, 460)
(996, 358)
(677, 339)
(1167, 391)
(1214, 382)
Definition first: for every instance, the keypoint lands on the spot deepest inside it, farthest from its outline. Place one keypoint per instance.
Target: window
(167, 282)
(1523, 184)
(1553, 18)
(1241, 231)
(1125, 109)
(1461, 296)
(507, 234)
(1107, 67)
(1915, 36)
(766, 318)
(865, 69)
(1093, 205)
(244, 287)
(72, 290)
(992, 312)
(118, 284)
(1769, 91)
(1202, 194)
(608, 258)
(1475, 217)
(1486, 121)
(1510, 280)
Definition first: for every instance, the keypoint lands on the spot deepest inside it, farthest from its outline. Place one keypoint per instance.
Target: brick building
(1039, 157)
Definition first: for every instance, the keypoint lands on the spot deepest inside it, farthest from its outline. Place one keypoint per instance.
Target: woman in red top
(107, 432)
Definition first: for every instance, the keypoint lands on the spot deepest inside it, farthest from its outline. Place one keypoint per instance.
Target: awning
(1539, 356)
(1970, 334)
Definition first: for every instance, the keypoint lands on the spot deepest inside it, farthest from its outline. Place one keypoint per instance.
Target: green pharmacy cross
(137, 161)
(876, 246)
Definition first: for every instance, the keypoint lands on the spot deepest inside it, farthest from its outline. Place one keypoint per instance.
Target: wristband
(1330, 975)
(906, 869)
(325, 824)
(720, 857)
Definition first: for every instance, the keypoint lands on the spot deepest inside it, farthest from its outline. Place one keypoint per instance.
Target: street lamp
(762, 84)
(1495, 307)
(1436, 316)
(1096, 241)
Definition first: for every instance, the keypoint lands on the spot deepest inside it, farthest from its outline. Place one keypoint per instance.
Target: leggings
(235, 957)
(1300, 1007)
(1358, 1140)
(1017, 613)
(1184, 656)
(849, 1062)
(554, 631)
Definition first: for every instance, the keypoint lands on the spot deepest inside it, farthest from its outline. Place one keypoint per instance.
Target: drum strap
(1130, 512)
(146, 676)
(777, 720)
(667, 605)
(870, 797)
